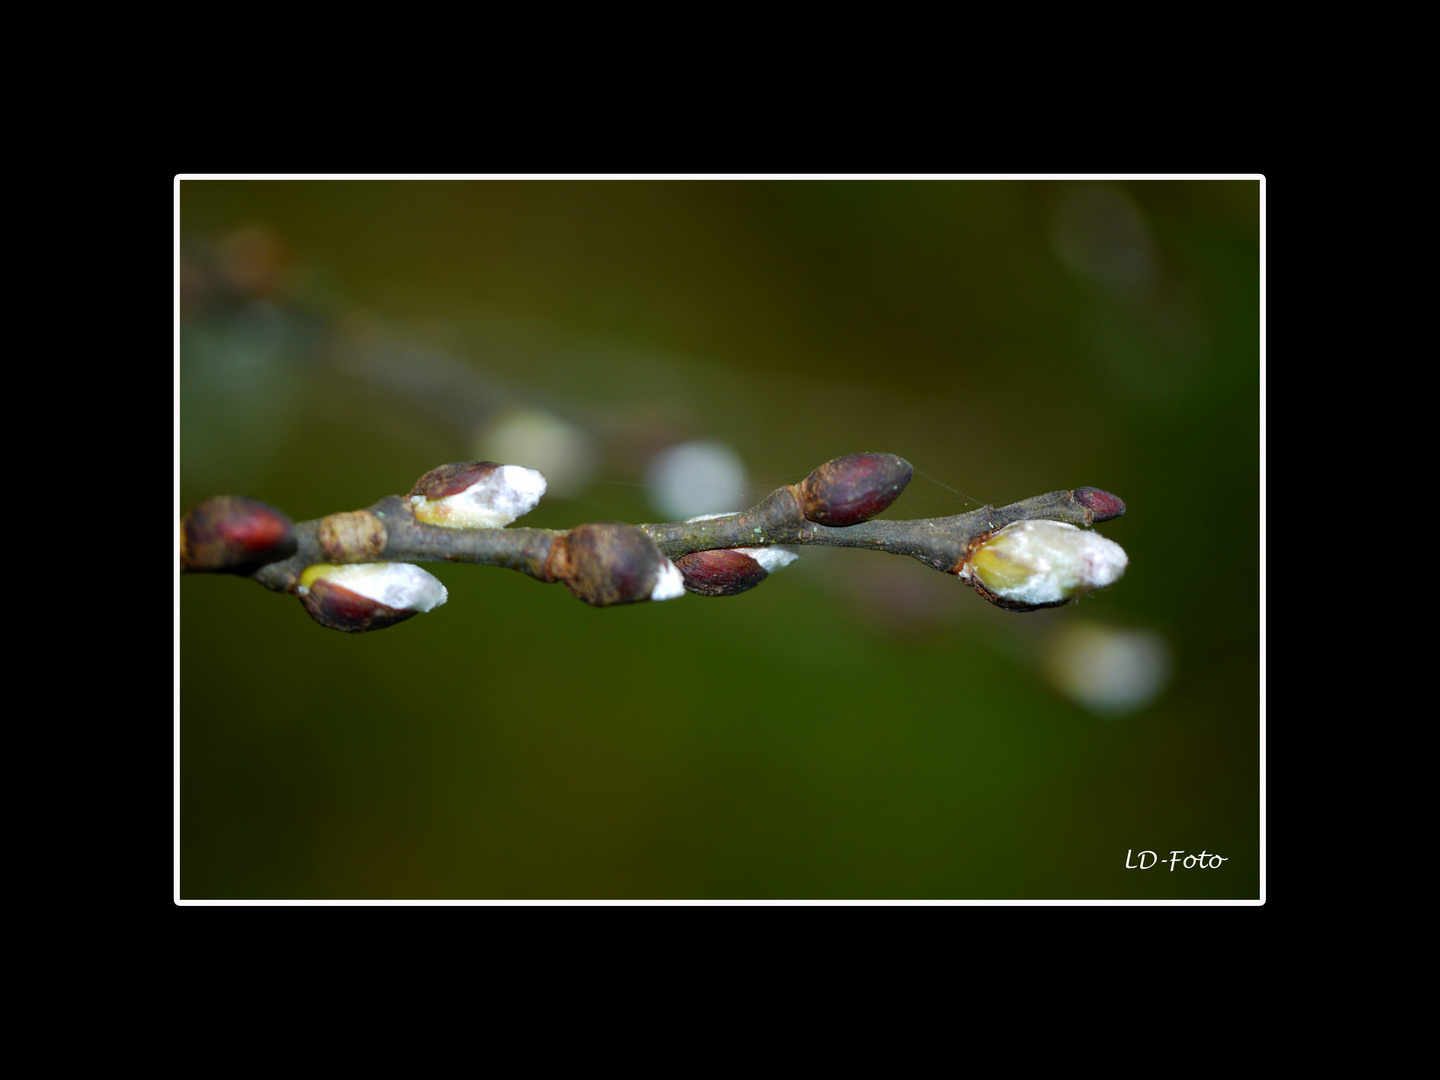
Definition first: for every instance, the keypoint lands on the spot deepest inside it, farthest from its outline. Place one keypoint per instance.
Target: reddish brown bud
(337, 608)
(853, 489)
(1104, 505)
(726, 572)
(231, 534)
(730, 571)
(452, 479)
(607, 563)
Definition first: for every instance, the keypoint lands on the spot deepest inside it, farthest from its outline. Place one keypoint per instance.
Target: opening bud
(849, 490)
(1032, 564)
(476, 494)
(730, 571)
(231, 534)
(607, 563)
(356, 597)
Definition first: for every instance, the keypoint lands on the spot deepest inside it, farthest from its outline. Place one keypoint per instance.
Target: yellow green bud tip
(1045, 562)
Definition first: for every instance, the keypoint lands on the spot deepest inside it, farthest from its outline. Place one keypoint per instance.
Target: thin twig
(605, 563)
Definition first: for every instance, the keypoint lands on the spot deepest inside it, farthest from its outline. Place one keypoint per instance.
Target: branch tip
(1104, 505)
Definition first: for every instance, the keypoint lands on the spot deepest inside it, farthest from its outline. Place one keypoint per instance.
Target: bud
(351, 535)
(1101, 503)
(607, 563)
(730, 571)
(356, 597)
(231, 534)
(852, 489)
(476, 494)
(1030, 564)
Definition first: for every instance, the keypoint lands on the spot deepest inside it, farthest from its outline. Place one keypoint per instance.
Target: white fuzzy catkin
(1055, 562)
(670, 584)
(509, 492)
(770, 558)
(402, 586)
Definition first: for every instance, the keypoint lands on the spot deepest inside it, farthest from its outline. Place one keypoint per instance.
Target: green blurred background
(857, 727)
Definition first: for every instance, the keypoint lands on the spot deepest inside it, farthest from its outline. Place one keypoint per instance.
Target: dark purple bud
(853, 489)
(726, 572)
(607, 563)
(231, 534)
(1104, 505)
(337, 608)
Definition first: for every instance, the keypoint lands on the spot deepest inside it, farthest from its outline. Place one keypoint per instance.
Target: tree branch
(454, 514)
